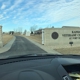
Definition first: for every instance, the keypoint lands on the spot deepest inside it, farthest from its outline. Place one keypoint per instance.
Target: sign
(73, 35)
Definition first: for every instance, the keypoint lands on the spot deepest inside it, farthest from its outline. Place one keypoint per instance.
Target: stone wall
(61, 37)
(1, 43)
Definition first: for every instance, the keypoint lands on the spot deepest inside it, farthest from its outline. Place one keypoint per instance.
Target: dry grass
(36, 38)
(6, 38)
(75, 50)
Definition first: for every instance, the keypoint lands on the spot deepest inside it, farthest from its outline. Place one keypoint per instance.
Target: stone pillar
(1, 43)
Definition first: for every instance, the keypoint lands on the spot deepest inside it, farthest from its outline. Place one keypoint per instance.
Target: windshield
(39, 27)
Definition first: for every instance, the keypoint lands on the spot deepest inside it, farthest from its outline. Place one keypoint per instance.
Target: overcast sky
(43, 13)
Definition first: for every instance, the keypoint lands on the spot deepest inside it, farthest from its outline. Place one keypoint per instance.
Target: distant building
(70, 27)
(38, 31)
(27, 33)
(11, 32)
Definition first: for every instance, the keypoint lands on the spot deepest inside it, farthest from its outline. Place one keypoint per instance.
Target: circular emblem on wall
(55, 35)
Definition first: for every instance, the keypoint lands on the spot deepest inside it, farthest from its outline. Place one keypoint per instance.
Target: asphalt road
(23, 46)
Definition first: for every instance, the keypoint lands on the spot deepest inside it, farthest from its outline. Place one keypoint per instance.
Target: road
(22, 46)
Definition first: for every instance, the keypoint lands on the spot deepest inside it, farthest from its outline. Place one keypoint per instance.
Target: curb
(7, 46)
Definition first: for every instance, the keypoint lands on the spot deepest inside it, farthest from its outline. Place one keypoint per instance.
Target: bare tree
(33, 28)
(24, 32)
(14, 30)
(20, 29)
(52, 26)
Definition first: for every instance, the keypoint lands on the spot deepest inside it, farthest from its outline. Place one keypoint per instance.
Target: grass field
(36, 38)
(6, 38)
(75, 50)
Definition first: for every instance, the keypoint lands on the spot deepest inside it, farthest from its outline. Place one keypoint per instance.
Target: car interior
(40, 68)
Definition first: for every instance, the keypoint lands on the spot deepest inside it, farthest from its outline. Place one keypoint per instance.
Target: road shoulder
(7, 46)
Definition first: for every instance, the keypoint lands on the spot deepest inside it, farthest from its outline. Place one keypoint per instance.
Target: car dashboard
(40, 68)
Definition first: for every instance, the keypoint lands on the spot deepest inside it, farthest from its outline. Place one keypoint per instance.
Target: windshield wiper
(39, 55)
(29, 56)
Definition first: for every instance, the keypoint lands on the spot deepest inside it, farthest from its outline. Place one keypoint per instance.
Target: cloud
(3, 6)
(42, 12)
(5, 17)
(14, 17)
(73, 22)
(5, 3)
(24, 10)
(16, 4)
(4, 12)
(50, 12)
(1, 16)
(15, 21)
(57, 11)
